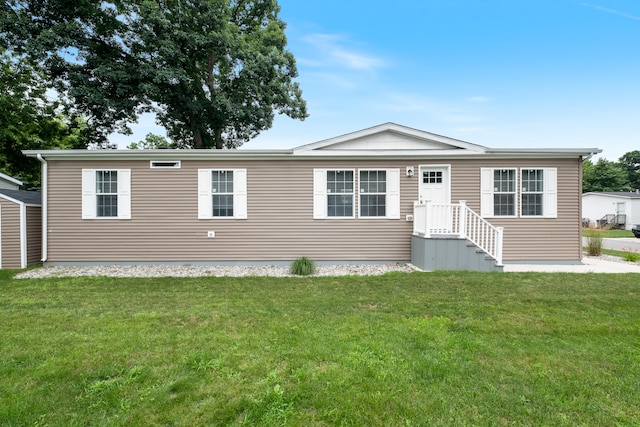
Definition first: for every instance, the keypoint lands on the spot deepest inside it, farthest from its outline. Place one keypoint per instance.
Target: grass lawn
(420, 349)
(609, 234)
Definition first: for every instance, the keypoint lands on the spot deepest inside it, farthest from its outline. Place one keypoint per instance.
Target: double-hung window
(504, 192)
(335, 190)
(538, 192)
(530, 193)
(222, 193)
(106, 193)
(373, 193)
(340, 193)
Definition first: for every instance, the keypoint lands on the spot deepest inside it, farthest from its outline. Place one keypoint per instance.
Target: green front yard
(420, 349)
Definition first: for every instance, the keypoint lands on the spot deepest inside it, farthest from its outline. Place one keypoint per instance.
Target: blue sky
(499, 73)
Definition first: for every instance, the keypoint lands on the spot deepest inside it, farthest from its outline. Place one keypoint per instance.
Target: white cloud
(330, 50)
(613, 11)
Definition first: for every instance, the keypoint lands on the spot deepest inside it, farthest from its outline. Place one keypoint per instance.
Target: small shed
(9, 183)
(618, 209)
(20, 228)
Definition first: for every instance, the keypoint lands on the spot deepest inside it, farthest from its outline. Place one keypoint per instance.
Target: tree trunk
(218, 139)
(197, 139)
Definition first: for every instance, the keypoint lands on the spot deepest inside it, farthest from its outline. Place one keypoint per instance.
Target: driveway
(628, 243)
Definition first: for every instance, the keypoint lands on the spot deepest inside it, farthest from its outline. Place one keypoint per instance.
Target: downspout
(45, 205)
(23, 235)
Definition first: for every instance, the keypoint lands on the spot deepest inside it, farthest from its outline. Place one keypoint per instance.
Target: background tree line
(605, 175)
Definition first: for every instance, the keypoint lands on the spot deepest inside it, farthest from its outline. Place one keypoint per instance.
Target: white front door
(434, 184)
(435, 188)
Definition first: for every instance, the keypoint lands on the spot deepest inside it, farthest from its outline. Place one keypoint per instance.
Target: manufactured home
(386, 193)
(611, 209)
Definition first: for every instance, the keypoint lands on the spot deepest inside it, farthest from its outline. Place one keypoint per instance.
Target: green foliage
(604, 175)
(447, 348)
(631, 163)
(31, 120)
(154, 142)
(631, 254)
(303, 267)
(213, 71)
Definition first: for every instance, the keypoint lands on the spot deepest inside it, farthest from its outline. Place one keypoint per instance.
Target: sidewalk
(589, 265)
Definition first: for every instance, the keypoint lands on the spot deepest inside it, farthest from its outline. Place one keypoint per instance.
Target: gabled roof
(623, 194)
(10, 179)
(389, 138)
(19, 196)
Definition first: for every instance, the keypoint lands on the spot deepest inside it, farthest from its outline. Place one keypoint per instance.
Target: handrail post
(500, 233)
(462, 218)
(427, 229)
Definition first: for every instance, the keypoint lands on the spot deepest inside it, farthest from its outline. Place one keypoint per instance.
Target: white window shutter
(124, 193)
(486, 192)
(393, 193)
(550, 203)
(239, 193)
(319, 193)
(205, 202)
(89, 202)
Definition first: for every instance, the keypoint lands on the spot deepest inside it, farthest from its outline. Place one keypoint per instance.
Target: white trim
(319, 193)
(549, 193)
(324, 147)
(392, 193)
(45, 206)
(23, 236)
(446, 166)
(11, 179)
(89, 202)
(205, 201)
(487, 191)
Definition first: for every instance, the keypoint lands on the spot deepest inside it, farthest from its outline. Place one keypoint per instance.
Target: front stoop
(449, 253)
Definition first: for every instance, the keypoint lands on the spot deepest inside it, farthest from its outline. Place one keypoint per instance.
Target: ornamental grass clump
(303, 267)
(594, 242)
(631, 254)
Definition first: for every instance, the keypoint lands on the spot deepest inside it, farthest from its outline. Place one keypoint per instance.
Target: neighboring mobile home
(619, 209)
(368, 196)
(20, 228)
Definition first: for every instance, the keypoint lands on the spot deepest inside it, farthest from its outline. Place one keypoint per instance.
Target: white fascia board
(543, 152)
(158, 154)
(11, 199)
(401, 130)
(11, 179)
(387, 154)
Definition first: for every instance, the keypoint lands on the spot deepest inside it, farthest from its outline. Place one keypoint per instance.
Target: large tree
(213, 71)
(30, 119)
(631, 163)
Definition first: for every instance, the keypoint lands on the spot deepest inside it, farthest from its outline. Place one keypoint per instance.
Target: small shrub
(594, 242)
(303, 267)
(631, 255)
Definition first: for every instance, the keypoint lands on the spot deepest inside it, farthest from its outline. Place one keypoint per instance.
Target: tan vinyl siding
(164, 223)
(10, 223)
(34, 234)
(542, 239)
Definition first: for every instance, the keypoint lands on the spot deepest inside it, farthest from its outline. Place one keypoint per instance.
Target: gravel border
(206, 271)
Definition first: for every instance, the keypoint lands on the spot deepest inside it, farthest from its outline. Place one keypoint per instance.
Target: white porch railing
(458, 220)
